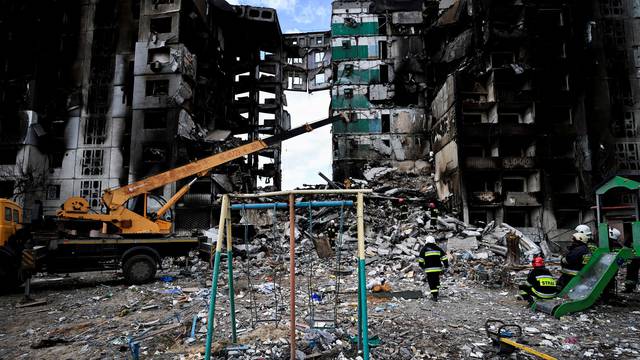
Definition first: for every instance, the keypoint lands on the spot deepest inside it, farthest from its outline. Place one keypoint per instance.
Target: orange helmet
(432, 205)
(537, 262)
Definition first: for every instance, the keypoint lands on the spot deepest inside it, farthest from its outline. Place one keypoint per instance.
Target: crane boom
(129, 222)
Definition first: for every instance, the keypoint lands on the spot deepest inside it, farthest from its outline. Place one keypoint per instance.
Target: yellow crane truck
(121, 238)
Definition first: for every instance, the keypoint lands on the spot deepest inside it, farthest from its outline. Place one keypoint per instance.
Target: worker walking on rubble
(433, 261)
(433, 213)
(540, 283)
(577, 256)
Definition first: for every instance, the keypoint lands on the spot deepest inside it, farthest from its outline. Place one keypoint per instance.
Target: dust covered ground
(94, 316)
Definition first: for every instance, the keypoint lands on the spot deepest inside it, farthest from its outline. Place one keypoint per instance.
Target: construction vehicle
(588, 285)
(120, 237)
(10, 244)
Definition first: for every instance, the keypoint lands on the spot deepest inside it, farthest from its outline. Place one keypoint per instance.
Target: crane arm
(115, 198)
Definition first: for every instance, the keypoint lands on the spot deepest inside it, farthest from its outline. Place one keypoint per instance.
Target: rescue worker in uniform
(577, 256)
(432, 260)
(433, 213)
(585, 229)
(540, 283)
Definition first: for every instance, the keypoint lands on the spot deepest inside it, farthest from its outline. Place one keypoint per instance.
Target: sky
(303, 156)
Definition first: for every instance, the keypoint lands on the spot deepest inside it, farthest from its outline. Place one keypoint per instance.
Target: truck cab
(10, 220)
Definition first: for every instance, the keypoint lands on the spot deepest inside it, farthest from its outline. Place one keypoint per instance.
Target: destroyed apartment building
(97, 94)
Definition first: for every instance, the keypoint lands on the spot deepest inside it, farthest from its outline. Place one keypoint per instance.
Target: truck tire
(139, 269)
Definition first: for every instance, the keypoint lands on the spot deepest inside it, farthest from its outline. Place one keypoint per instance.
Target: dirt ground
(93, 316)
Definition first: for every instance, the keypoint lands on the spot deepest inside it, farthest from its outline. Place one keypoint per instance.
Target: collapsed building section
(117, 90)
(308, 65)
(378, 59)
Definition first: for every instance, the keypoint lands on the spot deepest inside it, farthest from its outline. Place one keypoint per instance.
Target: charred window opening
(474, 151)
(481, 185)
(159, 55)
(297, 80)
(254, 13)
(561, 115)
(613, 32)
(90, 190)
(501, 59)
(550, 18)
(6, 189)
(92, 163)
(8, 156)
(53, 192)
(478, 217)
(162, 2)
(386, 123)
(350, 22)
(382, 50)
(516, 218)
(384, 73)
(508, 118)
(319, 40)
(95, 131)
(319, 79)
(295, 60)
(154, 153)
(319, 56)
(161, 25)
(472, 118)
(155, 119)
(57, 157)
(382, 25)
(348, 70)
(562, 149)
(512, 148)
(567, 218)
(630, 125)
(514, 184)
(346, 44)
(135, 9)
(564, 184)
(157, 87)
(266, 15)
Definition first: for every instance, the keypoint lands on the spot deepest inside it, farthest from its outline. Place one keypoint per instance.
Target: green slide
(586, 287)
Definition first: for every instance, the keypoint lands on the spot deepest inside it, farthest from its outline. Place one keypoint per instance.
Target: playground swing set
(588, 285)
(362, 340)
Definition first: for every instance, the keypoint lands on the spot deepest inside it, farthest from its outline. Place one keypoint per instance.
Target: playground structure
(587, 286)
(224, 231)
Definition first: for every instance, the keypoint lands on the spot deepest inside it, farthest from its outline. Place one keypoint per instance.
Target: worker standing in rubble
(433, 261)
(540, 283)
(433, 213)
(577, 256)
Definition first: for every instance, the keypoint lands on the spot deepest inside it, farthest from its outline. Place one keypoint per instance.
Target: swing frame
(224, 230)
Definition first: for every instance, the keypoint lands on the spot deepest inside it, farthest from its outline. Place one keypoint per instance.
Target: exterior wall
(370, 55)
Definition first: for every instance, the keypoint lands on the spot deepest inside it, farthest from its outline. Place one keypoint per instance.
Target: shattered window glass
(95, 131)
(157, 87)
(90, 190)
(92, 162)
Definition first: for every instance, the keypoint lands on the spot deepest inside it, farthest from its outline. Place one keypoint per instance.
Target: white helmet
(614, 233)
(580, 237)
(430, 240)
(584, 229)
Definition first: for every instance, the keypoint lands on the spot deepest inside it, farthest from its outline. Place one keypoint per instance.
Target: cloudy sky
(304, 156)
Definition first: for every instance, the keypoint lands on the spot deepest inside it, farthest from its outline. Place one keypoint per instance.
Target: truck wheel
(139, 269)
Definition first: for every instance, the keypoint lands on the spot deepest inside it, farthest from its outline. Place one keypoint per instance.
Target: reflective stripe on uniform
(542, 295)
(432, 253)
(569, 271)
(420, 260)
(444, 258)
(434, 291)
(433, 269)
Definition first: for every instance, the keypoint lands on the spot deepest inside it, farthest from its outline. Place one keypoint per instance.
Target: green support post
(362, 281)
(216, 270)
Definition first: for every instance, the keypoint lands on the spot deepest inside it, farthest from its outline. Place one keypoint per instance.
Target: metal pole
(362, 278)
(285, 205)
(292, 275)
(216, 269)
(232, 300)
(302, 192)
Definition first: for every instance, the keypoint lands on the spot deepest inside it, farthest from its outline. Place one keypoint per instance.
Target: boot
(434, 297)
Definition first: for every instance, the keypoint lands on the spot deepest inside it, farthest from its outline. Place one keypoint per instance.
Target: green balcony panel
(366, 28)
(353, 52)
(366, 126)
(358, 101)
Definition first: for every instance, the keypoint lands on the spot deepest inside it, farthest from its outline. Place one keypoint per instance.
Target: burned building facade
(519, 130)
(104, 92)
(377, 54)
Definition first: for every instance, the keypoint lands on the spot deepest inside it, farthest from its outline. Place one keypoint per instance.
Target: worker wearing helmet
(432, 260)
(577, 256)
(614, 239)
(540, 283)
(433, 213)
(585, 229)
